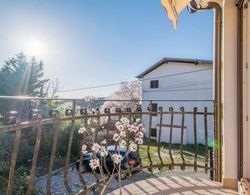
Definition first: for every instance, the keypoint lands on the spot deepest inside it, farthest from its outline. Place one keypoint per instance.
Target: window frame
(154, 129)
(154, 84)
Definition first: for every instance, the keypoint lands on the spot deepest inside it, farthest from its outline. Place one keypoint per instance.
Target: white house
(190, 82)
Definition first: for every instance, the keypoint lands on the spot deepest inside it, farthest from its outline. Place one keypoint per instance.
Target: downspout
(239, 4)
(218, 81)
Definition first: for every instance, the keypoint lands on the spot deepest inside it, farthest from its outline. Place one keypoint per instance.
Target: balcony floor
(174, 185)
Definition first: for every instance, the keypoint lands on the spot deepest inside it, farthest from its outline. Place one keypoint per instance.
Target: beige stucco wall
(229, 93)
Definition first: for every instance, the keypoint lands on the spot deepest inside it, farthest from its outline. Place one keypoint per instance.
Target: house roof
(166, 60)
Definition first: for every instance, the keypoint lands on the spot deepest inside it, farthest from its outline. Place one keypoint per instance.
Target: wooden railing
(165, 120)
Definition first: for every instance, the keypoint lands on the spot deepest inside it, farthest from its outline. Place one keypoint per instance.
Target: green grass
(164, 150)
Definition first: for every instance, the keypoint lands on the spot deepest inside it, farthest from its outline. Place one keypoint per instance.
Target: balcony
(42, 147)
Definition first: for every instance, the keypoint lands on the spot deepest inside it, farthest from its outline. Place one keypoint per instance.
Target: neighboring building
(178, 79)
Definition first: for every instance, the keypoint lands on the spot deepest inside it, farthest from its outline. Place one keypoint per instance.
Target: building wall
(191, 86)
(229, 93)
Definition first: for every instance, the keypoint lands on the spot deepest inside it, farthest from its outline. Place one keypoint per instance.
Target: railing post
(159, 137)
(195, 139)
(182, 136)
(149, 138)
(35, 155)
(14, 158)
(171, 110)
(53, 153)
(72, 128)
(211, 164)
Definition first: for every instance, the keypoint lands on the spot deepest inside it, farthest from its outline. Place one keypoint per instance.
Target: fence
(155, 153)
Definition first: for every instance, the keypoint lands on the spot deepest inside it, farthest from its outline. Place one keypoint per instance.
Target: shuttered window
(154, 84)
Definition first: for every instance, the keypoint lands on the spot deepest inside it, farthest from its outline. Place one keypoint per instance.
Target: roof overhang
(167, 60)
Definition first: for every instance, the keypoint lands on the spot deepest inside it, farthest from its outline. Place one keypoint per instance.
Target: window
(154, 107)
(154, 84)
(153, 132)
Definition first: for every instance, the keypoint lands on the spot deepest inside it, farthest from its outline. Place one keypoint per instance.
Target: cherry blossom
(124, 121)
(132, 147)
(116, 137)
(122, 143)
(82, 130)
(94, 163)
(138, 120)
(117, 158)
(104, 142)
(96, 147)
(103, 152)
(84, 149)
(123, 134)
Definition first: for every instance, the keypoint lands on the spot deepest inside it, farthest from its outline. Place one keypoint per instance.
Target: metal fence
(73, 112)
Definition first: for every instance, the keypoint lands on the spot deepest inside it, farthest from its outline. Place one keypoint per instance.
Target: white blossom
(103, 152)
(94, 163)
(122, 143)
(132, 147)
(140, 134)
(93, 130)
(117, 158)
(123, 134)
(104, 142)
(139, 140)
(120, 127)
(84, 149)
(117, 124)
(82, 130)
(133, 128)
(138, 120)
(116, 137)
(124, 121)
(96, 147)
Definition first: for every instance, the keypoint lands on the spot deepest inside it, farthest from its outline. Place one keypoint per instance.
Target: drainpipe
(218, 81)
(239, 4)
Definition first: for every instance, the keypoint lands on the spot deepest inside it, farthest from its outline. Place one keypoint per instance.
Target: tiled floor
(174, 185)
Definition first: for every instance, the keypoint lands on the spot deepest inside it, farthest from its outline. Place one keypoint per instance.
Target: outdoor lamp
(83, 111)
(68, 112)
(53, 113)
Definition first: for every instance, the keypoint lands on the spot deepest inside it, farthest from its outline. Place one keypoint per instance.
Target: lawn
(188, 155)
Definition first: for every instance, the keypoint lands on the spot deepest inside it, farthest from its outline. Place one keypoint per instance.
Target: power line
(113, 84)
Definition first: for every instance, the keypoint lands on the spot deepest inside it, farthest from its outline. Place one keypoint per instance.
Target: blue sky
(96, 42)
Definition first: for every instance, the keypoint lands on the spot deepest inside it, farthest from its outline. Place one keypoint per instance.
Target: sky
(86, 43)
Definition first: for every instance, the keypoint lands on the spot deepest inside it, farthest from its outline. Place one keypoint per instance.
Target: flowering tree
(129, 134)
(127, 91)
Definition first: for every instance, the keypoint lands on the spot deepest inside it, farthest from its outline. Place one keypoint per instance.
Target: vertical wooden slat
(53, 154)
(65, 171)
(81, 154)
(159, 136)
(14, 158)
(35, 155)
(149, 138)
(94, 140)
(171, 110)
(206, 140)
(128, 138)
(211, 164)
(107, 111)
(195, 139)
(139, 109)
(182, 137)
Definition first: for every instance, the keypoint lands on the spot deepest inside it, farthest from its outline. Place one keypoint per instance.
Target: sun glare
(36, 48)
